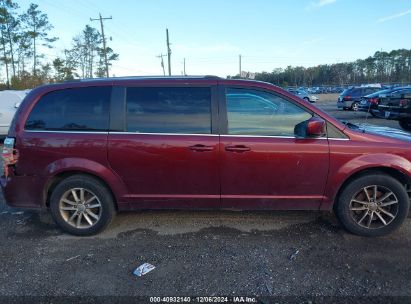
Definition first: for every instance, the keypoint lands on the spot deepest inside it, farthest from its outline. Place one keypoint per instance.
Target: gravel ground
(304, 254)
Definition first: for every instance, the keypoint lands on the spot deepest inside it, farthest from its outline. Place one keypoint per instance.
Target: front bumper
(367, 107)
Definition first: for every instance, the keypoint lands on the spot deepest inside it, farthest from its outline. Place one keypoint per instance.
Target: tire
(95, 214)
(354, 106)
(365, 220)
(405, 124)
(307, 99)
(376, 114)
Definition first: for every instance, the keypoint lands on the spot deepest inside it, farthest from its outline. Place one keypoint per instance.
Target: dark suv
(87, 149)
(369, 103)
(397, 106)
(350, 98)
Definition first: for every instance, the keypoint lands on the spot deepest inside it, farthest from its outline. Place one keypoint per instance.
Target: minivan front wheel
(81, 205)
(373, 205)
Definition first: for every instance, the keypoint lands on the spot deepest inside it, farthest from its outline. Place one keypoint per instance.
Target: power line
(104, 39)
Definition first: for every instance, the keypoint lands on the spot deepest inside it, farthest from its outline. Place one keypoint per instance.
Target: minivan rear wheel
(373, 205)
(81, 205)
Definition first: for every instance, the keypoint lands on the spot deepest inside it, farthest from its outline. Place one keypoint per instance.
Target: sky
(211, 34)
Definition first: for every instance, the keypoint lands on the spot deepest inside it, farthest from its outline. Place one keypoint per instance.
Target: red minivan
(86, 149)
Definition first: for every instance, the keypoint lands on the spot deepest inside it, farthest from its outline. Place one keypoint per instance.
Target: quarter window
(169, 110)
(80, 109)
(253, 112)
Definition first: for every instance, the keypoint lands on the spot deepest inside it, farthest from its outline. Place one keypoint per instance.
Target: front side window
(77, 109)
(169, 110)
(253, 112)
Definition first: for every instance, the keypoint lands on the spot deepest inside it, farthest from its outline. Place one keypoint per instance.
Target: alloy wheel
(80, 208)
(374, 207)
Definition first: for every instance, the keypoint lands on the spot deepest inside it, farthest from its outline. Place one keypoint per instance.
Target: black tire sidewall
(405, 124)
(353, 187)
(95, 186)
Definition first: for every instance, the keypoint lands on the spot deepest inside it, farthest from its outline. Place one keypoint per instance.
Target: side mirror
(316, 127)
(313, 127)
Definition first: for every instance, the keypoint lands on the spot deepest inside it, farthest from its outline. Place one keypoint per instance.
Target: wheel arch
(52, 183)
(395, 173)
(62, 168)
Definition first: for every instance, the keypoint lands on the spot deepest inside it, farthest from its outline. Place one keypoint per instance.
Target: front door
(263, 164)
(167, 154)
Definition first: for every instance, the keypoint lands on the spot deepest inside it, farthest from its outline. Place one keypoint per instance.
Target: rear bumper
(344, 104)
(394, 113)
(367, 107)
(22, 191)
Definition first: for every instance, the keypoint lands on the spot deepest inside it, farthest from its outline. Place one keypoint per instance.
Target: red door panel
(273, 172)
(167, 171)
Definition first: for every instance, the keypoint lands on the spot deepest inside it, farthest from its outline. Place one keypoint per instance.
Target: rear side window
(169, 110)
(79, 109)
(370, 90)
(357, 92)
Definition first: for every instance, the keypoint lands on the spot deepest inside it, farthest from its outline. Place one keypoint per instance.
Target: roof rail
(142, 77)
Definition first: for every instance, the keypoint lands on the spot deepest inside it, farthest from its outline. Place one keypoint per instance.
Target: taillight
(403, 102)
(9, 154)
(347, 97)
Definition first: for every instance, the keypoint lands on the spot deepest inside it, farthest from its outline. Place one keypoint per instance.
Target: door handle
(201, 148)
(239, 148)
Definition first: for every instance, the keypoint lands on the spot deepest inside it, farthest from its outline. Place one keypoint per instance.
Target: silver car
(303, 94)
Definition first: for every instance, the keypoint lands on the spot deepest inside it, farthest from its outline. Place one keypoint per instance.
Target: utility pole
(239, 57)
(184, 63)
(104, 39)
(168, 53)
(162, 63)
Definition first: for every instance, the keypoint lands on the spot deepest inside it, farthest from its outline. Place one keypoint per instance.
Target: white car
(303, 94)
(9, 102)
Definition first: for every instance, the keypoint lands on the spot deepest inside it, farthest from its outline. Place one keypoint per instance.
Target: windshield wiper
(353, 126)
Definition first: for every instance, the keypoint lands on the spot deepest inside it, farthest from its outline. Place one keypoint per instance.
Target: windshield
(345, 92)
(376, 94)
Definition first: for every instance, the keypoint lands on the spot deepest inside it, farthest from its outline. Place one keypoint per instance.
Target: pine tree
(37, 27)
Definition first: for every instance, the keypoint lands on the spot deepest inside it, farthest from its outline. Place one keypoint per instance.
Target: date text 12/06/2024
(211, 299)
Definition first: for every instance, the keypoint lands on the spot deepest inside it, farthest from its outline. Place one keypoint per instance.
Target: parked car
(397, 106)
(9, 102)
(350, 98)
(369, 103)
(304, 95)
(89, 148)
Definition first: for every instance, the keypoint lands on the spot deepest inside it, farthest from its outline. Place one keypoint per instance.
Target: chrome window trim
(173, 134)
(273, 136)
(343, 139)
(66, 132)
